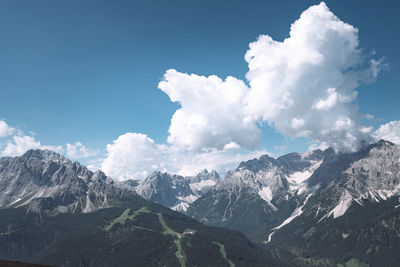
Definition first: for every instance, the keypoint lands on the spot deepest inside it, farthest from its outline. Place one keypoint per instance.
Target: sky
(130, 87)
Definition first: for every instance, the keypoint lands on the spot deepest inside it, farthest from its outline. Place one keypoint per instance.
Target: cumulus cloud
(21, 143)
(304, 86)
(15, 143)
(78, 151)
(5, 129)
(389, 131)
(211, 114)
(214, 159)
(135, 156)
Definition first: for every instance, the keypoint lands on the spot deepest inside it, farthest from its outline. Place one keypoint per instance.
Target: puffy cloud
(5, 130)
(77, 151)
(21, 143)
(389, 131)
(214, 159)
(211, 114)
(135, 156)
(315, 146)
(305, 85)
(16, 143)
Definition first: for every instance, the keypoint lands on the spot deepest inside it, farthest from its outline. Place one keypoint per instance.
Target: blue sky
(88, 71)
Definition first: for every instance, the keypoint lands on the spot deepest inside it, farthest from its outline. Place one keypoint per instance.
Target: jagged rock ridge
(43, 180)
(263, 195)
(175, 191)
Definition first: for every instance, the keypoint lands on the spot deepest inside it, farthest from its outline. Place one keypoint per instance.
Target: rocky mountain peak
(46, 180)
(164, 188)
(320, 184)
(203, 176)
(255, 165)
(44, 155)
(175, 191)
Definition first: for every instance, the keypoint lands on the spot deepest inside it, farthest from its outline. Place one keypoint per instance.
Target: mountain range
(320, 208)
(59, 213)
(174, 191)
(323, 207)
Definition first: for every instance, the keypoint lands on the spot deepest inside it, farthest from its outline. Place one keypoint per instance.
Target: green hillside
(138, 233)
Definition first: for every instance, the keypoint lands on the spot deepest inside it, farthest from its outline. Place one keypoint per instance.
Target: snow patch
(188, 199)
(344, 203)
(296, 213)
(297, 179)
(302, 176)
(201, 185)
(266, 194)
(15, 201)
(89, 207)
(270, 236)
(181, 207)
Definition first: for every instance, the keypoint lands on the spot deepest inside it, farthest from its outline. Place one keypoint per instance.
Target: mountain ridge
(264, 197)
(66, 215)
(46, 181)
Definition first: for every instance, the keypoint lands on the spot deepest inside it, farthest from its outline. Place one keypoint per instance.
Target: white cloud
(369, 116)
(5, 130)
(231, 146)
(135, 156)
(211, 114)
(297, 123)
(304, 86)
(332, 99)
(21, 143)
(322, 146)
(77, 151)
(16, 143)
(219, 160)
(311, 78)
(389, 131)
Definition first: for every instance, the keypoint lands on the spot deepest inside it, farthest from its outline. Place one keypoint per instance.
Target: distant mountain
(43, 180)
(57, 212)
(303, 202)
(320, 208)
(203, 181)
(248, 199)
(175, 191)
